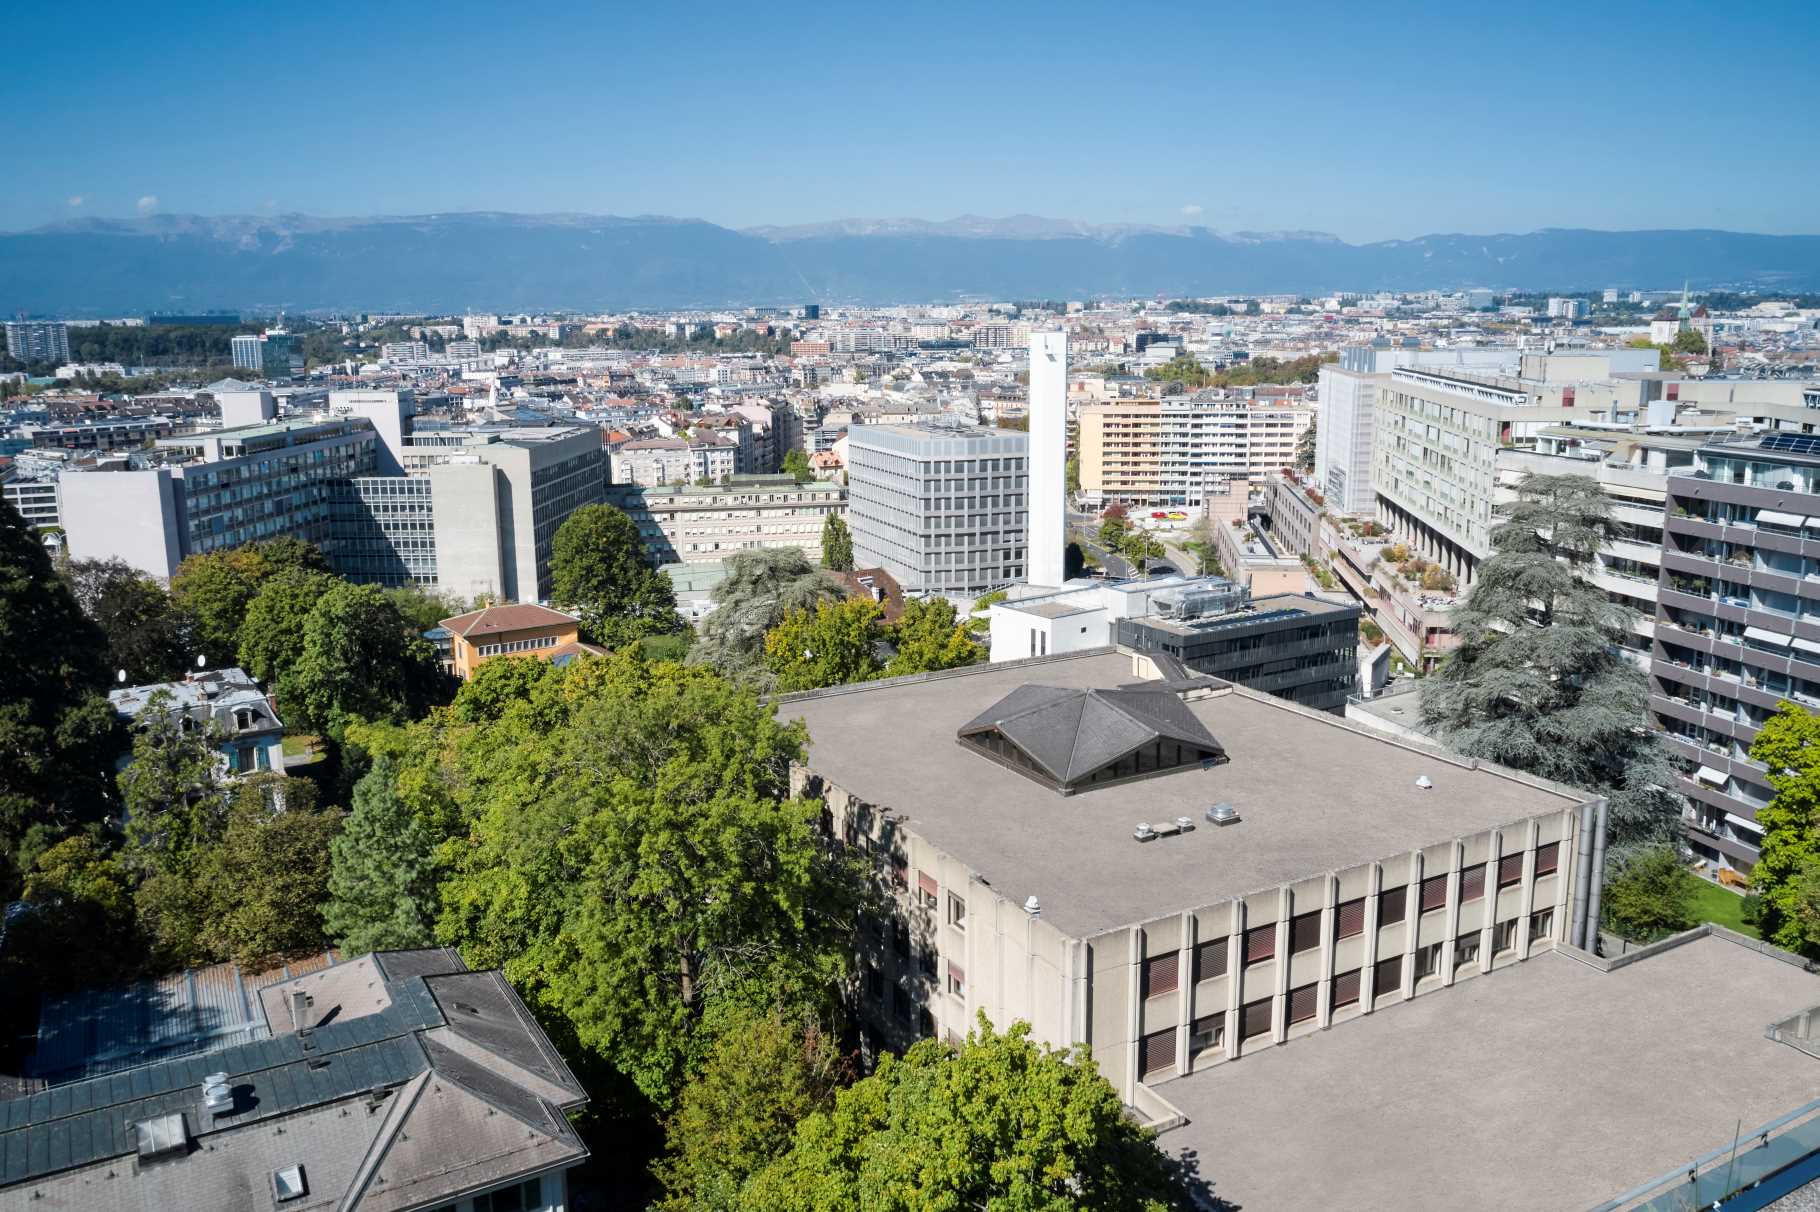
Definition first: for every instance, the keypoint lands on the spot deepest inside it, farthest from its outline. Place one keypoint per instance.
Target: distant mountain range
(488, 261)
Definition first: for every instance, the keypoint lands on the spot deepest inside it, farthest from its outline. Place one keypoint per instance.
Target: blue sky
(1371, 121)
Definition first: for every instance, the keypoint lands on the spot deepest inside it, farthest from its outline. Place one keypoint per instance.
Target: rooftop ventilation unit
(1424, 782)
(1032, 906)
(217, 1095)
(1223, 814)
(161, 1137)
(288, 1184)
(1184, 824)
(1144, 833)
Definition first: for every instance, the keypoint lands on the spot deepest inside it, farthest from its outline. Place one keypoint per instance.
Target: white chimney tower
(1046, 538)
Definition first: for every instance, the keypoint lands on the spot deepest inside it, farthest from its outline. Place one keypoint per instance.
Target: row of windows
(548, 641)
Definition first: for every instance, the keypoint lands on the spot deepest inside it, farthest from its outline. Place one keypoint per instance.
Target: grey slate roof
(1070, 733)
(56, 1140)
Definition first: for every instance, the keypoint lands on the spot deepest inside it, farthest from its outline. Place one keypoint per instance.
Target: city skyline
(1224, 118)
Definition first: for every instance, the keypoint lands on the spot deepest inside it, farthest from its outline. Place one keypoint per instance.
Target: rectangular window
(1393, 905)
(926, 885)
(1510, 870)
(1505, 937)
(925, 962)
(1434, 893)
(900, 1003)
(957, 912)
(1349, 918)
(1466, 949)
(1547, 859)
(1160, 974)
(1302, 1003)
(1209, 1031)
(1210, 959)
(1472, 883)
(1541, 924)
(900, 940)
(1387, 976)
(1428, 961)
(957, 980)
(1260, 943)
(875, 984)
(1255, 1019)
(1159, 1052)
(1345, 988)
(1304, 932)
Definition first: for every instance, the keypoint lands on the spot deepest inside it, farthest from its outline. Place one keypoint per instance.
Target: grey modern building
(692, 524)
(37, 341)
(1293, 646)
(1737, 626)
(941, 508)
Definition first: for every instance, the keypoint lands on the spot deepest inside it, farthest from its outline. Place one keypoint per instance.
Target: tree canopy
(1788, 865)
(358, 657)
(147, 635)
(382, 890)
(760, 588)
(796, 466)
(930, 635)
(214, 589)
(837, 545)
(1536, 683)
(599, 569)
(833, 644)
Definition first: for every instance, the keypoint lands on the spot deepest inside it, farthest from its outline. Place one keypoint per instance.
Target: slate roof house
(398, 1082)
(250, 734)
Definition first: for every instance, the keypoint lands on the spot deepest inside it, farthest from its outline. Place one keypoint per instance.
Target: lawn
(1715, 904)
(301, 750)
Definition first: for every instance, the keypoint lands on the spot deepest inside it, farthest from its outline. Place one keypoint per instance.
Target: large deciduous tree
(382, 890)
(999, 1123)
(1789, 861)
(631, 854)
(359, 658)
(837, 545)
(796, 466)
(267, 877)
(270, 637)
(833, 644)
(215, 588)
(759, 589)
(929, 635)
(1537, 683)
(599, 569)
(148, 637)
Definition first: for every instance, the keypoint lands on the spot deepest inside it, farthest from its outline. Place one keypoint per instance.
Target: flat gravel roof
(1314, 792)
(1547, 1084)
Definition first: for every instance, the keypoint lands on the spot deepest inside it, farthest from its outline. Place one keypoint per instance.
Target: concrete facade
(1047, 537)
(705, 525)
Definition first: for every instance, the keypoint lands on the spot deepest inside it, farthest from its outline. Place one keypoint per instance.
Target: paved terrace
(1548, 1084)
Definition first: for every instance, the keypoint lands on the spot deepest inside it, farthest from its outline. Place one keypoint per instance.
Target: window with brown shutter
(1260, 943)
(1159, 1052)
(1393, 905)
(1547, 858)
(1255, 1020)
(1160, 974)
(1387, 976)
(926, 884)
(1472, 883)
(1541, 924)
(1345, 988)
(1434, 893)
(1304, 932)
(957, 980)
(1210, 959)
(1349, 918)
(1301, 1004)
(1510, 870)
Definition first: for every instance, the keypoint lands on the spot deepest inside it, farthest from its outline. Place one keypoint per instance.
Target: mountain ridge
(502, 260)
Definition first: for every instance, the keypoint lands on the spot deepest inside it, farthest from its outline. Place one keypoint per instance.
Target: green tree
(358, 658)
(599, 569)
(837, 545)
(796, 465)
(1789, 744)
(978, 622)
(1141, 547)
(1537, 683)
(1649, 895)
(382, 891)
(147, 635)
(834, 644)
(1000, 1123)
(270, 637)
(215, 588)
(633, 859)
(1113, 528)
(930, 636)
(1305, 448)
(267, 878)
(762, 1075)
(760, 588)
(78, 928)
(496, 684)
(1689, 341)
(56, 727)
(1071, 473)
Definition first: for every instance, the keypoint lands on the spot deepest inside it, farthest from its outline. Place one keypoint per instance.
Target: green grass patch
(1722, 907)
(302, 750)
(665, 647)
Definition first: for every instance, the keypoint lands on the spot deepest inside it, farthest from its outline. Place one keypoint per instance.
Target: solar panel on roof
(1794, 443)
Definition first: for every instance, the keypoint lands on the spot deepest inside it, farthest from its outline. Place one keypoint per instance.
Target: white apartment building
(656, 462)
(693, 525)
(1176, 450)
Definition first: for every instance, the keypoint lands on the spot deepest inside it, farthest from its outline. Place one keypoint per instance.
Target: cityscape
(517, 702)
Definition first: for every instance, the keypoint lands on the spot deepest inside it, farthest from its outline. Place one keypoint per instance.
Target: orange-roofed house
(516, 630)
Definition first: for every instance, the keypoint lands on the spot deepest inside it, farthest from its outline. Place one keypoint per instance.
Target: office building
(1047, 537)
(391, 414)
(399, 1080)
(101, 433)
(1737, 626)
(692, 525)
(34, 499)
(404, 352)
(1315, 959)
(941, 508)
(37, 341)
(1567, 309)
(248, 352)
(274, 354)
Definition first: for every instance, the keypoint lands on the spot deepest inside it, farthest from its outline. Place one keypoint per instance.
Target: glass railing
(1767, 1161)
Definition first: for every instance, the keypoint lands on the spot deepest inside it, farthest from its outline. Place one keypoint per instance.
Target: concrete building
(1737, 626)
(942, 508)
(35, 499)
(656, 462)
(400, 1080)
(1052, 832)
(1047, 508)
(512, 630)
(1293, 646)
(248, 735)
(247, 351)
(705, 525)
(37, 341)
(391, 414)
(1177, 450)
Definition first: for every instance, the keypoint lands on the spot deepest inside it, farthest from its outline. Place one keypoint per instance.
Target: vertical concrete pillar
(1488, 929)
(1184, 991)
(1279, 1001)
(1368, 966)
(1451, 914)
(1323, 996)
(1235, 978)
(1564, 852)
(1527, 899)
(1134, 1010)
(1412, 920)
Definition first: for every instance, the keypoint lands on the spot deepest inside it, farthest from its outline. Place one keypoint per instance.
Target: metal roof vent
(288, 1184)
(217, 1096)
(1143, 832)
(1032, 906)
(1184, 824)
(161, 1137)
(1223, 814)
(1424, 782)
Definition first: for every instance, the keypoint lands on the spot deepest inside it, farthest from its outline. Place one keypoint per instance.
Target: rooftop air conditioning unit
(1144, 833)
(217, 1096)
(1223, 814)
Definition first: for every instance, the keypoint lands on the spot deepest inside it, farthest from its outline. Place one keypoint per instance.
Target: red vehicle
(1159, 515)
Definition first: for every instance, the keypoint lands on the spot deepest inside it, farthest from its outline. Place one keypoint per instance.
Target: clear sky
(1371, 121)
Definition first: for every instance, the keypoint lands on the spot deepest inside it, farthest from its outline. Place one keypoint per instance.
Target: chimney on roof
(300, 1009)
